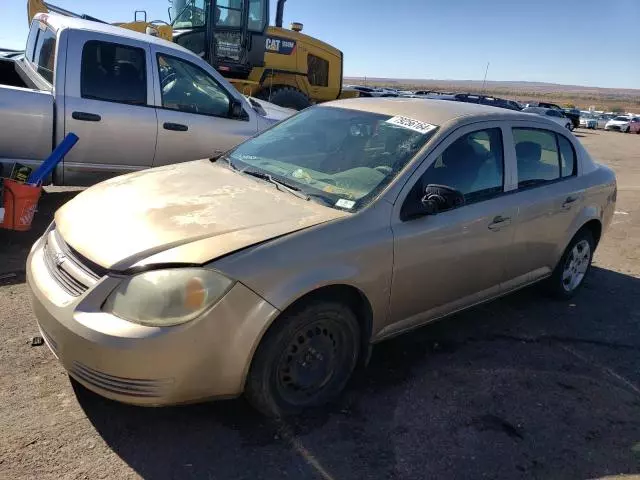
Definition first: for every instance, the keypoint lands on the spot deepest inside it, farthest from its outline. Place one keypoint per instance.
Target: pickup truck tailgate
(26, 124)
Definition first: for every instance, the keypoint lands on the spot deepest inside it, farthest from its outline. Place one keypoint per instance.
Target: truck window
(113, 73)
(31, 40)
(45, 53)
(188, 88)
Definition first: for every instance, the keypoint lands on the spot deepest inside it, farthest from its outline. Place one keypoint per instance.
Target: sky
(577, 42)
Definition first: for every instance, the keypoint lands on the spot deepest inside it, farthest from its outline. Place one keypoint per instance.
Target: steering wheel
(384, 169)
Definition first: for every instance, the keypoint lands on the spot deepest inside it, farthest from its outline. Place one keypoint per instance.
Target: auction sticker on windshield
(412, 124)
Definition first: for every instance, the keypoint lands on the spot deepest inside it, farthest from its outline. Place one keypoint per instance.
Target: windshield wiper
(279, 184)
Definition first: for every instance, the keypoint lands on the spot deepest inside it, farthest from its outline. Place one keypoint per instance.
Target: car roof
(59, 22)
(437, 112)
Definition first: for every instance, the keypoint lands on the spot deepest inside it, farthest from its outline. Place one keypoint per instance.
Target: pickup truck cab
(135, 101)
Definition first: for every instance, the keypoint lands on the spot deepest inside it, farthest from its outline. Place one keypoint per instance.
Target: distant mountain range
(492, 84)
(602, 98)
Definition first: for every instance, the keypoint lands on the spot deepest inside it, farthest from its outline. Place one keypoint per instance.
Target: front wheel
(569, 274)
(287, 97)
(305, 359)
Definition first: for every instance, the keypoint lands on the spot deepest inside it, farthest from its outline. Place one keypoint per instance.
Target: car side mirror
(438, 198)
(236, 109)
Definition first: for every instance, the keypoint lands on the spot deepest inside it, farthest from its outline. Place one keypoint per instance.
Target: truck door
(196, 118)
(108, 103)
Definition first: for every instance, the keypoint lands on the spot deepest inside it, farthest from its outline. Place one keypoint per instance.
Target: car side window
(188, 88)
(472, 164)
(112, 72)
(567, 157)
(537, 156)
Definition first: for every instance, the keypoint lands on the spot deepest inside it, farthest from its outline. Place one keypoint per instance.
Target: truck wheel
(287, 97)
(305, 359)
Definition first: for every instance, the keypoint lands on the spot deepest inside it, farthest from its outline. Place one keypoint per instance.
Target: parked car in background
(273, 270)
(134, 100)
(487, 100)
(588, 121)
(634, 126)
(365, 91)
(552, 114)
(621, 123)
(572, 114)
(602, 119)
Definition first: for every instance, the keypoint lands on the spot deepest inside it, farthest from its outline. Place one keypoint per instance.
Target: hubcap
(576, 265)
(308, 362)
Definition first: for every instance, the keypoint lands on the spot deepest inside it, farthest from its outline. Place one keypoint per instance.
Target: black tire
(288, 97)
(305, 359)
(557, 284)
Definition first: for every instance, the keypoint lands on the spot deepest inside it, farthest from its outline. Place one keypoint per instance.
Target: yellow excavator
(283, 66)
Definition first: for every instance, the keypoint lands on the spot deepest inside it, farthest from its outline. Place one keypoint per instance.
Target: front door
(194, 115)
(109, 106)
(457, 257)
(549, 197)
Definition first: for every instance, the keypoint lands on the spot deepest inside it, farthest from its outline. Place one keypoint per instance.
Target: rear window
(113, 73)
(44, 53)
(31, 41)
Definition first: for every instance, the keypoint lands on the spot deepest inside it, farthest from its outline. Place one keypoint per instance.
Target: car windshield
(621, 119)
(340, 157)
(534, 110)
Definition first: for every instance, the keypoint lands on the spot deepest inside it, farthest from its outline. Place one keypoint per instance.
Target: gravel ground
(522, 387)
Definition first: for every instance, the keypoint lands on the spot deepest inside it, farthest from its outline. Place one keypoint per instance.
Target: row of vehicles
(569, 118)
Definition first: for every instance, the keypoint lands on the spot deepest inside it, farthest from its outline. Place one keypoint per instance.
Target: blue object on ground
(54, 159)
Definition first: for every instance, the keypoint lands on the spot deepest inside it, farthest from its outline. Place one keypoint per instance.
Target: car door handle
(568, 201)
(499, 222)
(86, 117)
(176, 127)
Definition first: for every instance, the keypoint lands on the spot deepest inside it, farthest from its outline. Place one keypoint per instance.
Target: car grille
(74, 273)
(134, 387)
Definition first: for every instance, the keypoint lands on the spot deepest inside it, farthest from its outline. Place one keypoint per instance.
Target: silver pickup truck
(134, 100)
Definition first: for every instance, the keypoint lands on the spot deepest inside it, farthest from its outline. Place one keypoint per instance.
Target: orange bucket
(20, 203)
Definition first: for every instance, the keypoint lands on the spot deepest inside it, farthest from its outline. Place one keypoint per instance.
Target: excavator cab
(228, 34)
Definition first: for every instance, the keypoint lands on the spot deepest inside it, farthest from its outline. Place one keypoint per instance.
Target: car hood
(270, 111)
(189, 213)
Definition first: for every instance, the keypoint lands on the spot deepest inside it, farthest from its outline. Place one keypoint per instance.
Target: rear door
(109, 105)
(195, 118)
(548, 198)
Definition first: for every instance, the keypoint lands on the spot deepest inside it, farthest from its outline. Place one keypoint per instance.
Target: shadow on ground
(15, 246)
(523, 387)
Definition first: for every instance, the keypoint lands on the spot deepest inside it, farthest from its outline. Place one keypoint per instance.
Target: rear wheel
(569, 274)
(305, 359)
(288, 97)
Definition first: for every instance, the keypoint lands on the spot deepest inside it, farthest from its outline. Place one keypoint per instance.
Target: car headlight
(167, 297)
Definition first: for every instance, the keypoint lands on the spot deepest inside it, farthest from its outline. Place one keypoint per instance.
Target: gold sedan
(273, 269)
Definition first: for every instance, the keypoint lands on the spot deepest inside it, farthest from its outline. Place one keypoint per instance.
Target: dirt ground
(523, 387)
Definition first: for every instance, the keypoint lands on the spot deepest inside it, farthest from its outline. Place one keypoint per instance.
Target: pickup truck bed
(9, 74)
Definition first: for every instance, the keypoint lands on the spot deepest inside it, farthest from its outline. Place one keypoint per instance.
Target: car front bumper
(205, 358)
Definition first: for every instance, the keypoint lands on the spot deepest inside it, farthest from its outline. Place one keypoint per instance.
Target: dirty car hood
(187, 213)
